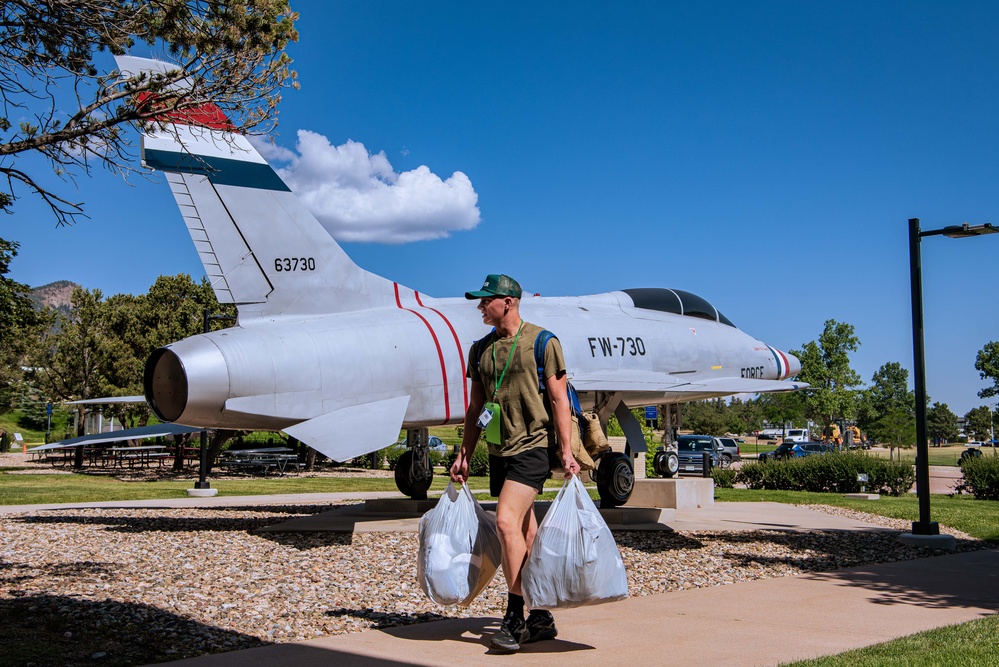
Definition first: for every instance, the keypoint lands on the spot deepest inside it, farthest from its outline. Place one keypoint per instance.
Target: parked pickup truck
(691, 448)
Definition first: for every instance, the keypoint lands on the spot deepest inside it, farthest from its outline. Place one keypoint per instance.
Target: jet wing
(154, 431)
(109, 399)
(694, 383)
(355, 430)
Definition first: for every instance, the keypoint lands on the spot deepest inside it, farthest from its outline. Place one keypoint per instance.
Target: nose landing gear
(413, 472)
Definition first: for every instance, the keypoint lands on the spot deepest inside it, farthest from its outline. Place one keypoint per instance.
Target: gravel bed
(127, 587)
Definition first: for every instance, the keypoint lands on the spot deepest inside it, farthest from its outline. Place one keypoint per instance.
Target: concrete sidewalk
(753, 623)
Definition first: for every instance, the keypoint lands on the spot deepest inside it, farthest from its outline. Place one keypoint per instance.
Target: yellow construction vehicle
(831, 435)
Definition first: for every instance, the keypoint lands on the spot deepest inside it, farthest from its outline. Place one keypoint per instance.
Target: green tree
(19, 327)
(886, 410)
(825, 366)
(101, 348)
(987, 365)
(56, 103)
(707, 417)
(72, 361)
(747, 416)
(780, 408)
(941, 424)
(980, 423)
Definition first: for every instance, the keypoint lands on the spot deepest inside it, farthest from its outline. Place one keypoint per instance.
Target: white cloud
(358, 196)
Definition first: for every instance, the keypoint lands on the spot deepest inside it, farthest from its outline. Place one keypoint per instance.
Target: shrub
(835, 472)
(724, 477)
(392, 454)
(435, 457)
(478, 467)
(981, 477)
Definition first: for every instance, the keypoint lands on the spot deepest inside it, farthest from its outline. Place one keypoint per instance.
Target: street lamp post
(924, 526)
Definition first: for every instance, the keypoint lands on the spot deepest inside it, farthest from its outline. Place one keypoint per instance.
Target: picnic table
(57, 453)
(264, 458)
(142, 455)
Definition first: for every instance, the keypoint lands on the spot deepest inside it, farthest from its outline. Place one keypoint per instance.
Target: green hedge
(724, 477)
(981, 477)
(834, 472)
(479, 466)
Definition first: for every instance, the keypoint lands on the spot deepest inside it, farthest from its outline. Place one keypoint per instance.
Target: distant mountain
(54, 295)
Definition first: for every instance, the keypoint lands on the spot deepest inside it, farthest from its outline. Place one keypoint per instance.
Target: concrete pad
(938, 542)
(763, 516)
(679, 493)
(832, 612)
(374, 517)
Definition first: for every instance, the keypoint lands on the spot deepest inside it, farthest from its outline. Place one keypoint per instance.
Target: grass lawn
(979, 518)
(965, 645)
(32, 489)
(22, 489)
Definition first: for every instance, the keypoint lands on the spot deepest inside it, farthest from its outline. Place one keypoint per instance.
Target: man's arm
(470, 433)
(558, 396)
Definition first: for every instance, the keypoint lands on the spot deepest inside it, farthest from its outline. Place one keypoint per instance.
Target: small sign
(862, 477)
(651, 412)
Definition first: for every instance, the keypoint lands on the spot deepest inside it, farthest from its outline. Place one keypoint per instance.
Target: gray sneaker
(512, 633)
(540, 626)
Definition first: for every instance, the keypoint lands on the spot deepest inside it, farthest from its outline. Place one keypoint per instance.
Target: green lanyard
(512, 350)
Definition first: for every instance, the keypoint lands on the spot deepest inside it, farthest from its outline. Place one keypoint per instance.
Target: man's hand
(569, 464)
(459, 469)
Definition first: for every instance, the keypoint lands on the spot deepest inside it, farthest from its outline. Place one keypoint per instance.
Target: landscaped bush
(392, 454)
(835, 472)
(981, 477)
(478, 467)
(724, 477)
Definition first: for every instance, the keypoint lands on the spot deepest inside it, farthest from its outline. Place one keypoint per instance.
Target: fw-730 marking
(609, 348)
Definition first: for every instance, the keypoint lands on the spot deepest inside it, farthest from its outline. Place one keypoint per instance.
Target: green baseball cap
(497, 285)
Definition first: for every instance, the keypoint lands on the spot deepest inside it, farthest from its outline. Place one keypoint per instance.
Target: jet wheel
(666, 464)
(615, 479)
(408, 481)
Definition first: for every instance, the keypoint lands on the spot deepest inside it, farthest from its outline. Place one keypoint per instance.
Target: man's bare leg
(517, 527)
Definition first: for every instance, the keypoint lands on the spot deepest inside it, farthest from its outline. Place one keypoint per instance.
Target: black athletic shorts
(531, 468)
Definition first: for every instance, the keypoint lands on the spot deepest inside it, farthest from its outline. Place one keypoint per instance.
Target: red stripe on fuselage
(457, 344)
(440, 353)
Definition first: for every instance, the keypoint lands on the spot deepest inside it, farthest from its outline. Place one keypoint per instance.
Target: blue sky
(763, 155)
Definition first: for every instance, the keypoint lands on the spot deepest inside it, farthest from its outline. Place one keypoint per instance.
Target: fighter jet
(343, 359)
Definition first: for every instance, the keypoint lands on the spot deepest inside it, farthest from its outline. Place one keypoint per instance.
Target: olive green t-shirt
(524, 419)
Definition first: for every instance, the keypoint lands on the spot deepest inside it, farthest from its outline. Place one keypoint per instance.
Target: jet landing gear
(615, 477)
(666, 463)
(413, 472)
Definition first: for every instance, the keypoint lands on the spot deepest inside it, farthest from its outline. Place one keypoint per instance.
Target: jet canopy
(677, 302)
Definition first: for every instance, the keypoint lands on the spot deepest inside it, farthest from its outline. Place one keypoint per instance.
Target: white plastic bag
(459, 548)
(574, 560)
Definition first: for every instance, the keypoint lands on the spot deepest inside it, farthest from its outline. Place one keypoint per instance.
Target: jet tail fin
(261, 248)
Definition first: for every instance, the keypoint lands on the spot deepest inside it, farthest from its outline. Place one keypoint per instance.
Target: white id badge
(484, 418)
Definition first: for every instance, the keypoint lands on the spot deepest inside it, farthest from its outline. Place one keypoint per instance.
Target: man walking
(521, 423)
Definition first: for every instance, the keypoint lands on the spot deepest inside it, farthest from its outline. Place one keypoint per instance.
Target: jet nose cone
(787, 364)
(793, 365)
